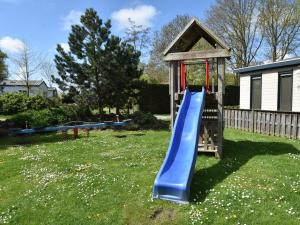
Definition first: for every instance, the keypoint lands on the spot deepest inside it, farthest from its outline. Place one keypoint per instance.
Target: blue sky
(45, 23)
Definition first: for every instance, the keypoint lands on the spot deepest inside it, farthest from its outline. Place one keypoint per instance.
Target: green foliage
(123, 83)
(3, 66)
(150, 80)
(231, 79)
(12, 103)
(33, 118)
(49, 117)
(145, 120)
(98, 63)
(37, 102)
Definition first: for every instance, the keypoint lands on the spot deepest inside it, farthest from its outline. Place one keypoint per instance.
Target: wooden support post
(205, 137)
(64, 133)
(221, 90)
(87, 130)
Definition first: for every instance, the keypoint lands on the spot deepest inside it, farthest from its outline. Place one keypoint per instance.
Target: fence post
(253, 121)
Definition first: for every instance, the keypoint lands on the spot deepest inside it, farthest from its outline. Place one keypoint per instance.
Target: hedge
(155, 98)
(12, 103)
(49, 117)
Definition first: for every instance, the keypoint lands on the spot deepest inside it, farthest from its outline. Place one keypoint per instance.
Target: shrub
(49, 117)
(37, 102)
(34, 118)
(144, 120)
(12, 103)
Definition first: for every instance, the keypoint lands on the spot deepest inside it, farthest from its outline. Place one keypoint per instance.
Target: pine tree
(98, 62)
(3, 66)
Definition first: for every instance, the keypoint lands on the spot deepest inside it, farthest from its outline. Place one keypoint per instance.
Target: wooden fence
(281, 124)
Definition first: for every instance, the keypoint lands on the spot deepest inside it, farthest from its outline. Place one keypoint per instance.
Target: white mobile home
(273, 87)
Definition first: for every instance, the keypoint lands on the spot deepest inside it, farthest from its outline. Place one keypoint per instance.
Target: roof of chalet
(272, 65)
(191, 34)
(21, 82)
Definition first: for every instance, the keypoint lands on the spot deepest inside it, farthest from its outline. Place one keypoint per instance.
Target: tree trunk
(274, 54)
(117, 110)
(100, 106)
(27, 87)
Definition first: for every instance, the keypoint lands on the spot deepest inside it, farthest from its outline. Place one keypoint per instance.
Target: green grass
(107, 178)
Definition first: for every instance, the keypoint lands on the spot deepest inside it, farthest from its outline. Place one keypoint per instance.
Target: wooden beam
(212, 53)
(220, 96)
(194, 62)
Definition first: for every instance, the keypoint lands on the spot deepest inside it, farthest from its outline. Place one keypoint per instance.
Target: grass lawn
(107, 178)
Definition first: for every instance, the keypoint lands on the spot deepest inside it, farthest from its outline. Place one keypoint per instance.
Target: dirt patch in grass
(162, 214)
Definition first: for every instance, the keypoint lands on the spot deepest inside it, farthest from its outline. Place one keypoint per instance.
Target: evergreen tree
(97, 62)
(3, 66)
(125, 75)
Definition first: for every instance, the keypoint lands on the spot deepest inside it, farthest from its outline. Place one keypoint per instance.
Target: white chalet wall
(296, 90)
(245, 84)
(269, 90)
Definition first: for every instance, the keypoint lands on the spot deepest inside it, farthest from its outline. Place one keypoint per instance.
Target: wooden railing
(283, 124)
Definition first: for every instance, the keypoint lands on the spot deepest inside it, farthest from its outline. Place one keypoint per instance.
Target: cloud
(72, 18)
(65, 46)
(11, 45)
(141, 15)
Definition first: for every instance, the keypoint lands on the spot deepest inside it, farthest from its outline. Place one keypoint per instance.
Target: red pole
(182, 76)
(206, 75)
(75, 132)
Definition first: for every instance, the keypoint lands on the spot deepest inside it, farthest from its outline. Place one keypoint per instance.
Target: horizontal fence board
(282, 124)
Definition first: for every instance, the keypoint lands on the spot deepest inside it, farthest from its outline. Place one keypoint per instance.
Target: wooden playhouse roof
(191, 34)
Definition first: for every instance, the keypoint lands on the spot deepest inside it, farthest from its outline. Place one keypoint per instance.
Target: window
(285, 91)
(256, 92)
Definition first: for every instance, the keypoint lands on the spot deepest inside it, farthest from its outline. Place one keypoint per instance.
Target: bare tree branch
(27, 63)
(237, 23)
(281, 21)
(48, 72)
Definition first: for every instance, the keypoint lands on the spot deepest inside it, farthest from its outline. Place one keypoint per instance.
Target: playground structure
(178, 55)
(196, 117)
(64, 128)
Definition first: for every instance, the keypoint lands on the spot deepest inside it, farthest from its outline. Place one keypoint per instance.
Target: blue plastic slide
(174, 177)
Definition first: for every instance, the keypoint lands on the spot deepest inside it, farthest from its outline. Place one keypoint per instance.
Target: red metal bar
(206, 76)
(182, 77)
(75, 132)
